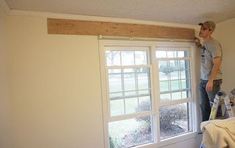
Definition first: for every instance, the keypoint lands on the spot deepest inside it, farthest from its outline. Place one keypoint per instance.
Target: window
(147, 91)
(175, 90)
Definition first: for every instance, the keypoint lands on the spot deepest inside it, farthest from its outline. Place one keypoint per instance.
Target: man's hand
(209, 86)
(197, 42)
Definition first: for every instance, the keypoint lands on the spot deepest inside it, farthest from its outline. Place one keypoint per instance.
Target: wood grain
(80, 27)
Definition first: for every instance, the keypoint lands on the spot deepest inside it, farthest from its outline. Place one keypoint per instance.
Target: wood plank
(80, 27)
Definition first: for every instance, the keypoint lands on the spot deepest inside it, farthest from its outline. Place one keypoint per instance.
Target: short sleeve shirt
(210, 50)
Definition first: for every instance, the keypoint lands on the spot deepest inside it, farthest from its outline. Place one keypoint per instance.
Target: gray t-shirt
(209, 51)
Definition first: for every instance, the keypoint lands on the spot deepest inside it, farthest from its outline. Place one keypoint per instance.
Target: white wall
(54, 86)
(225, 33)
(54, 82)
(4, 100)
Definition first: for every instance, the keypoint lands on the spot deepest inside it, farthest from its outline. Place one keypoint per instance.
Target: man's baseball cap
(208, 24)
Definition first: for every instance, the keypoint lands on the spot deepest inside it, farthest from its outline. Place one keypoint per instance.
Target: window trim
(154, 74)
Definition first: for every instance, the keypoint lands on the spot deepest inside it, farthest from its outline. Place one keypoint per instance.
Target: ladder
(221, 98)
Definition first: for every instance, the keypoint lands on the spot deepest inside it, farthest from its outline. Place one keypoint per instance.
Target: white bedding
(218, 133)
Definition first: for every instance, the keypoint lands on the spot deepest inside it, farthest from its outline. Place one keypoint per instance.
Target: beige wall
(54, 86)
(225, 33)
(4, 100)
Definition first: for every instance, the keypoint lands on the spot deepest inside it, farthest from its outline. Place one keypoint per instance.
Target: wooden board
(79, 27)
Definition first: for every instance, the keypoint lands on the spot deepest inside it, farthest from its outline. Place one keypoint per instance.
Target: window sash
(122, 93)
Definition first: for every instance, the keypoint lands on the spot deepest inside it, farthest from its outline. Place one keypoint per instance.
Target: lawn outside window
(147, 91)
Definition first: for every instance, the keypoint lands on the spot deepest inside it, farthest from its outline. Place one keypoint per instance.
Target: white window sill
(170, 141)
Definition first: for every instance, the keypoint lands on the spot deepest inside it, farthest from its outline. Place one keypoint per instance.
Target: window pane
(113, 96)
(184, 64)
(174, 65)
(113, 58)
(165, 97)
(183, 74)
(143, 78)
(164, 86)
(130, 93)
(161, 54)
(181, 54)
(174, 75)
(164, 69)
(186, 94)
(127, 57)
(144, 103)
(163, 76)
(144, 92)
(185, 84)
(176, 96)
(117, 107)
(129, 79)
(121, 135)
(115, 83)
(169, 68)
(131, 105)
(174, 120)
(171, 54)
(175, 84)
(140, 57)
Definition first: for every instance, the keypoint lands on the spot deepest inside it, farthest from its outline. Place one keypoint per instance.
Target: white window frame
(154, 88)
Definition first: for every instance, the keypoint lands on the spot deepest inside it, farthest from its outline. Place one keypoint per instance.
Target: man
(211, 59)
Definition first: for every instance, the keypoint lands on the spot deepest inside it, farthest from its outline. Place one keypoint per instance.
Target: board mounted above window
(81, 27)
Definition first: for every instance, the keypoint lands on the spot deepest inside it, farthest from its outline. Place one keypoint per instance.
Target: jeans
(207, 98)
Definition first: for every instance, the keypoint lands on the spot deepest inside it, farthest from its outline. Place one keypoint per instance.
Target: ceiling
(171, 11)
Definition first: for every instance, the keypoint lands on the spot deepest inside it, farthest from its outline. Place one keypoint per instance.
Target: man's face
(205, 32)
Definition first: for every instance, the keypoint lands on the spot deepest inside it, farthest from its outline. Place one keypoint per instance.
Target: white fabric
(219, 133)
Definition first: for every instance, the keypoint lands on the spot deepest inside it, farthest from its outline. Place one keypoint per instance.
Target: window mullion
(123, 90)
(155, 94)
(136, 87)
(130, 116)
